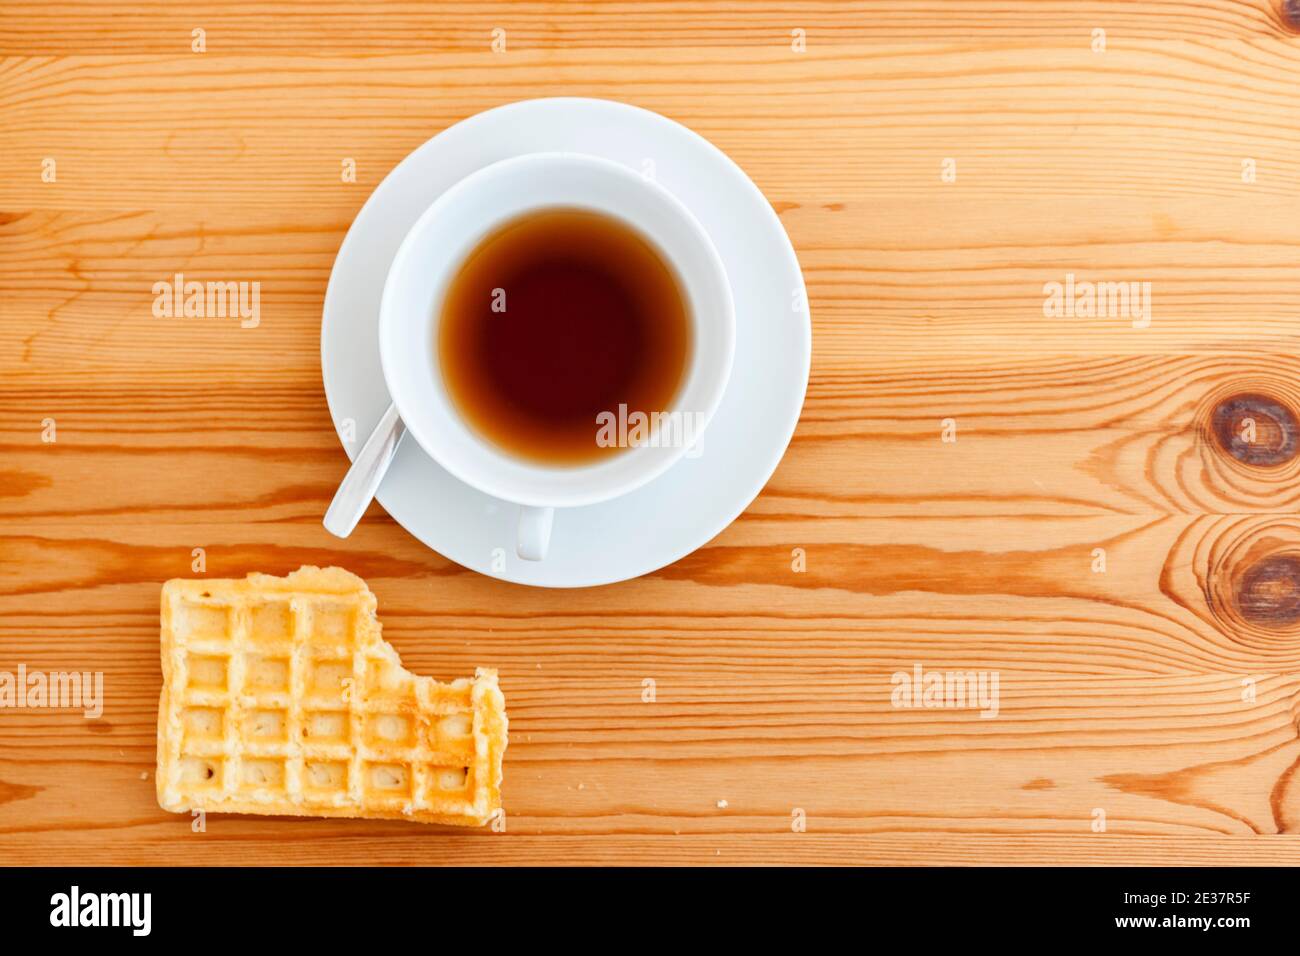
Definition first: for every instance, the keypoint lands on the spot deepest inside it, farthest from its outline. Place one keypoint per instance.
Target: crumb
(144, 775)
(722, 804)
(582, 786)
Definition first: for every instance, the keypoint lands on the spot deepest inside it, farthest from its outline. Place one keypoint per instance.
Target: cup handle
(534, 532)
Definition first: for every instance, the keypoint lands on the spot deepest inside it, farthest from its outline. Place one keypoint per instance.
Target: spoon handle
(363, 478)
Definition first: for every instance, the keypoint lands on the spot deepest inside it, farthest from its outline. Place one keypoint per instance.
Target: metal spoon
(363, 478)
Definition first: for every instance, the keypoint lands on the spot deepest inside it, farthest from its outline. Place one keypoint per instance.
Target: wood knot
(1255, 429)
(1249, 571)
(1291, 15)
(1268, 593)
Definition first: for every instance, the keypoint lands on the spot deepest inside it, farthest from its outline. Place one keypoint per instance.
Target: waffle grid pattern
(280, 697)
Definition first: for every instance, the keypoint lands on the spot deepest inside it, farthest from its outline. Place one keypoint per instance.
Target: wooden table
(1102, 536)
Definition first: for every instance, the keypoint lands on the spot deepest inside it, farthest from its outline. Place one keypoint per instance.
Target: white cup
(433, 252)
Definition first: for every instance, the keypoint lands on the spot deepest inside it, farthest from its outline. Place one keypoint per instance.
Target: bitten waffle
(280, 697)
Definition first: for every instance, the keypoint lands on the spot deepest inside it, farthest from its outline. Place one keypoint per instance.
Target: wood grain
(343, 28)
(1158, 690)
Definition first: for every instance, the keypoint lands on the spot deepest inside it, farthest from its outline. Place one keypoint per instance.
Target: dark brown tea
(555, 318)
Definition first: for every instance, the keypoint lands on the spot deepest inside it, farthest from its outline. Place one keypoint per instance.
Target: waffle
(280, 697)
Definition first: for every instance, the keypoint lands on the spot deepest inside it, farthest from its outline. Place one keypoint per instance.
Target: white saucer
(698, 497)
